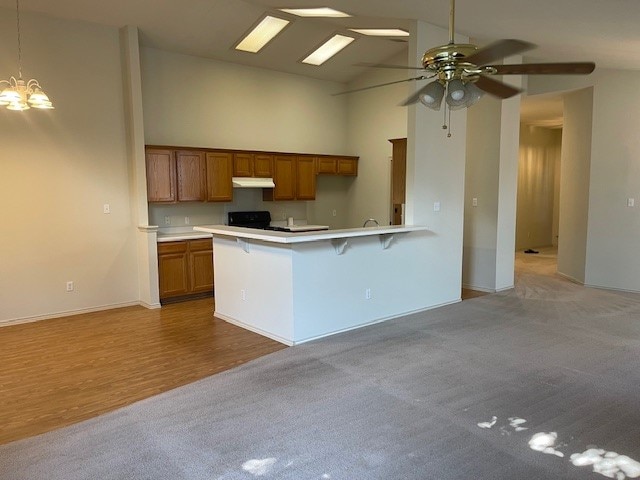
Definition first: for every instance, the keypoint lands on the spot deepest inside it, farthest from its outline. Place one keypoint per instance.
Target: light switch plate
(631, 202)
(436, 206)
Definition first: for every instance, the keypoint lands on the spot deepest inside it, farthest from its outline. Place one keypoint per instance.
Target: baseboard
(504, 289)
(479, 289)
(68, 313)
(150, 306)
(288, 342)
(611, 289)
(570, 278)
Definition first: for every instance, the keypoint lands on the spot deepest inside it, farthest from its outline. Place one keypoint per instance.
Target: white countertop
(178, 236)
(301, 237)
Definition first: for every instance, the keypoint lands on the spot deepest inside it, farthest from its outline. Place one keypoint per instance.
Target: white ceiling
(604, 31)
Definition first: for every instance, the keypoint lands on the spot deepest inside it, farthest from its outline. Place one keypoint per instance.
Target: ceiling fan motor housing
(447, 61)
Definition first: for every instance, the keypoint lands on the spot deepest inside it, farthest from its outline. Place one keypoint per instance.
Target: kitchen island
(296, 287)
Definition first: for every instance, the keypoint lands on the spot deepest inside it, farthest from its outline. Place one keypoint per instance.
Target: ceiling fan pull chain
(449, 127)
(444, 122)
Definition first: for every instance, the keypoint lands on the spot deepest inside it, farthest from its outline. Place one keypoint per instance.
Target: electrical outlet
(167, 220)
(70, 286)
(334, 212)
(367, 294)
(436, 206)
(106, 208)
(631, 202)
(474, 202)
(243, 295)
(187, 220)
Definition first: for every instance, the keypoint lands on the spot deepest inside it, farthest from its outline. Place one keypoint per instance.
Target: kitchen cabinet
(330, 165)
(175, 175)
(185, 268)
(161, 175)
(191, 175)
(252, 165)
(219, 168)
(294, 177)
(305, 178)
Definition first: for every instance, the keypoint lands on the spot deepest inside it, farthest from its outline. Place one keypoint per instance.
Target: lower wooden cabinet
(185, 268)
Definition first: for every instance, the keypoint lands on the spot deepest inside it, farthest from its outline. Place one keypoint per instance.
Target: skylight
(316, 12)
(381, 32)
(328, 50)
(262, 34)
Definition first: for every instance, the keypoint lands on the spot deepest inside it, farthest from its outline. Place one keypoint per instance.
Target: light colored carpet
(397, 400)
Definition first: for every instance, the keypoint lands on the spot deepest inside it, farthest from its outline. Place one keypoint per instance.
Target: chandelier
(19, 94)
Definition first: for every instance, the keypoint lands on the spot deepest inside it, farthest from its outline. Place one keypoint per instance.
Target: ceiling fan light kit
(462, 72)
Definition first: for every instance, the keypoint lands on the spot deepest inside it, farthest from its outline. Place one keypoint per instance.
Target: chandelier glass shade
(459, 94)
(18, 94)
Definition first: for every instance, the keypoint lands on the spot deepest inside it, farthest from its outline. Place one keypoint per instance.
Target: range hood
(252, 182)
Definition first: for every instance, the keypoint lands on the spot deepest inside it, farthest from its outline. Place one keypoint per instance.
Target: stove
(261, 219)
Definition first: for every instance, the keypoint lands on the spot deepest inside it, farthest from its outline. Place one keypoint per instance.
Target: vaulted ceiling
(605, 31)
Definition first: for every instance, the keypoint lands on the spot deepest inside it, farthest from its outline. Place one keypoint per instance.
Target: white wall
(574, 192)
(198, 102)
(613, 228)
(481, 182)
(435, 173)
(58, 169)
(540, 150)
(492, 162)
(375, 117)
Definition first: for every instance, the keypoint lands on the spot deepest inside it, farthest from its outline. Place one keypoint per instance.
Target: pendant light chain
(18, 94)
(19, 42)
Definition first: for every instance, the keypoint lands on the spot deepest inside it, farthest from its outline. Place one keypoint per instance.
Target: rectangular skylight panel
(328, 50)
(264, 32)
(381, 32)
(316, 12)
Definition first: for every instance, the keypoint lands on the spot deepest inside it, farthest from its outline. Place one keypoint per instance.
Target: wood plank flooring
(61, 371)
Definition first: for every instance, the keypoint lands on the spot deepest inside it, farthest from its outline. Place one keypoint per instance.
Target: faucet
(370, 220)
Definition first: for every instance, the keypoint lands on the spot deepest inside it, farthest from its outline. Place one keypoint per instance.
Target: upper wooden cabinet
(219, 173)
(161, 175)
(295, 178)
(252, 165)
(330, 165)
(175, 175)
(190, 167)
(305, 178)
(284, 176)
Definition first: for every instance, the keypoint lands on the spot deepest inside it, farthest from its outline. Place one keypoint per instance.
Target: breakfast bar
(296, 287)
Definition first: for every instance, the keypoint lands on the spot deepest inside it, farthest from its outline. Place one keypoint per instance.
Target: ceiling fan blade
(380, 85)
(496, 88)
(384, 65)
(576, 68)
(497, 50)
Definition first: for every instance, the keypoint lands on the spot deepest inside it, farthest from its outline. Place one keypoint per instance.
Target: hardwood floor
(61, 371)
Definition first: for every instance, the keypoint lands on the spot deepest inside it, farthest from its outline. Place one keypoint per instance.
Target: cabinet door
(219, 173)
(263, 165)
(173, 269)
(242, 165)
(306, 178)
(161, 175)
(347, 166)
(190, 167)
(327, 165)
(201, 266)
(284, 176)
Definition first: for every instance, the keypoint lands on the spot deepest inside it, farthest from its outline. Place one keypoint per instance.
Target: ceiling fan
(462, 72)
